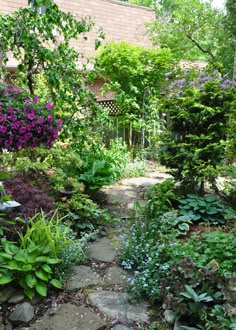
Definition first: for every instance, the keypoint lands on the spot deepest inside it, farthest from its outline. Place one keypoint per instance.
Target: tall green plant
(136, 75)
(194, 142)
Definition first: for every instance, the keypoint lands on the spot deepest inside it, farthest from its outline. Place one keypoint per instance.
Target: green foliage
(216, 245)
(30, 267)
(193, 30)
(230, 17)
(136, 75)
(34, 261)
(144, 3)
(82, 213)
(209, 209)
(95, 174)
(160, 198)
(192, 292)
(194, 142)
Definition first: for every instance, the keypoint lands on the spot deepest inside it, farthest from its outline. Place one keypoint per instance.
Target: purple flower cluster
(177, 87)
(24, 122)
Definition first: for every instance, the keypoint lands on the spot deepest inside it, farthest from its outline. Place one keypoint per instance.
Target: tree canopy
(194, 30)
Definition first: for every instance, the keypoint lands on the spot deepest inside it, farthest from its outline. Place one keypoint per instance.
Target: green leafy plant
(32, 260)
(96, 174)
(82, 213)
(137, 76)
(161, 198)
(193, 144)
(29, 267)
(209, 209)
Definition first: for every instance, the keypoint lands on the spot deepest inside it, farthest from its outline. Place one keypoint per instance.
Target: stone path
(106, 305)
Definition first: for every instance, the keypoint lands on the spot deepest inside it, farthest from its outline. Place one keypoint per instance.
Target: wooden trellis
(110, 104)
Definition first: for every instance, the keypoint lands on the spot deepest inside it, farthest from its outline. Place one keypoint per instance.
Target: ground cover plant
(190, 273)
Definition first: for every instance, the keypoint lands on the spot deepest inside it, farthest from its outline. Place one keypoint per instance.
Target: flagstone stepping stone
(120, 194)
(116, 305)
(141, 181)
(82, 277)
(115, 275)
(102, 250)
(69, 316)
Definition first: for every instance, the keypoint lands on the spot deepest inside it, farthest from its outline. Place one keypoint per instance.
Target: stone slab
(121, 194)
(82, 277)
(115, 275)
(70, 317)
(116, 305)
(102, 250)
(141, 181)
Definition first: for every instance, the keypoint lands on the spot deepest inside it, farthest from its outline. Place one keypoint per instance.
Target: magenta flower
(27, 100)
(24, 121)
(22, 130)
(59, 122)
(49, 119)
(40, 120)
(3, 118)
(14, 126)
(28, 136)
(7, 143)
(3, 129)
(35, 99)
(13, 117)
(49, 106)
(30, 116)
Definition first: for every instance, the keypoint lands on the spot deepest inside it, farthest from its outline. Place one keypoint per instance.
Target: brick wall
(119, 21)
(8, 6)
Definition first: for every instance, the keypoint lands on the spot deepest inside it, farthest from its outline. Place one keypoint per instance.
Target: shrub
(81, 212)
(32, 199)
(24, 122)
(194, 142)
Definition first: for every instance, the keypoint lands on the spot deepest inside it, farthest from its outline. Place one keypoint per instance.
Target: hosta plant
(209, 209)
(29, 267)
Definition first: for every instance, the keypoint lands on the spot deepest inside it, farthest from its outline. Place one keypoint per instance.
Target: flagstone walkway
(100, 300)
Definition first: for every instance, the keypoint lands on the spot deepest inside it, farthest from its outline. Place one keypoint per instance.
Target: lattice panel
(110, 104)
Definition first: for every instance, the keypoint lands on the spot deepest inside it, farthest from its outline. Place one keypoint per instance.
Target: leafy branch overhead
(194, 30)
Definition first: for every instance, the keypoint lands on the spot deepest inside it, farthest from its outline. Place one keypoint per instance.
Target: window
(41, 9)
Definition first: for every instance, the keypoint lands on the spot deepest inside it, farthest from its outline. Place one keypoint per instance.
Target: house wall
(119, 21)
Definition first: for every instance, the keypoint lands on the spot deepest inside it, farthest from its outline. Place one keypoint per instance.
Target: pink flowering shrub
(24, 121)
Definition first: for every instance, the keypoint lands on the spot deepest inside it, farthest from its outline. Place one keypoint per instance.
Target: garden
(178, 248)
